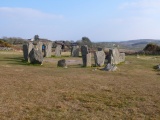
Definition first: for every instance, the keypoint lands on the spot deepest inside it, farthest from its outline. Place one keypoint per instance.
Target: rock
(75, 51)
(84, 50)
(35, 56)
(158, 67)
(99, 57)
(88, 60)
(86, 56)
(62, 63)
(110, 67)
(58, 50)
(25, 52)
(115, 57)
(47, 49)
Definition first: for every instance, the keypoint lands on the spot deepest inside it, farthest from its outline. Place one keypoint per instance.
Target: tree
(152, 47)
(85, 41)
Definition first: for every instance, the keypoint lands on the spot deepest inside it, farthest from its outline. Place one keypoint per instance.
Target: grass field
(32, 92)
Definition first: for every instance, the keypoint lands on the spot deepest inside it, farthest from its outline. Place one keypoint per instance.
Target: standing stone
(25, 52)
(99, 57)
(115, 57)
(39, 45)
(48, 49)
(88, 60)
(36, 56)
(110, 57)
(58, 51)
(75, 51)
(30, 46)
(86, 56)
(84, 50)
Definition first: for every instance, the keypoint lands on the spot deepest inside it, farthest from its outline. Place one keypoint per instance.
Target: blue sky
(99, 20)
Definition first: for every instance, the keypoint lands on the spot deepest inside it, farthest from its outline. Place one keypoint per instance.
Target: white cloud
(141, 4)
(26, 22)
(146, 7)
(26, 13)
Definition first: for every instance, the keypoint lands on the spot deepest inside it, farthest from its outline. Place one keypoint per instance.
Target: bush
(152, 47)
(4, 44)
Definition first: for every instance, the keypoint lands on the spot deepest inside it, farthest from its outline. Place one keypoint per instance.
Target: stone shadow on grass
(15, 60)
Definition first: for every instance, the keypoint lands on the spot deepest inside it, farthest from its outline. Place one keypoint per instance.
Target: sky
(99, 20)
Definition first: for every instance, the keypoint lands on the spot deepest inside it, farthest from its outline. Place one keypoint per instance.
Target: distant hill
(130, 44)
(138, 44)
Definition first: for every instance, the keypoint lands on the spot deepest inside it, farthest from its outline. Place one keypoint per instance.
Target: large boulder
(36, 56)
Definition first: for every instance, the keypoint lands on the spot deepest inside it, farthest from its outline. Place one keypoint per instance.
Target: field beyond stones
(47, 92)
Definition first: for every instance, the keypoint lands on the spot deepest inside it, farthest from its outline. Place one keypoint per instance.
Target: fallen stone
(62, 63)
(110, 67)
(158, 67)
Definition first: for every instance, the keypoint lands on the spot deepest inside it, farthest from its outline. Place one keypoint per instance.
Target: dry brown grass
(46, 92)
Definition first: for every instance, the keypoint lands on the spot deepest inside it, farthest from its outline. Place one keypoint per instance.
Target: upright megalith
(75, 51)
(88, 62)
(99, 57)
(58, 50)
(39, 46)
(48, 49)
(86, 56)
(36, 56)
(25, 52)
(115, 57)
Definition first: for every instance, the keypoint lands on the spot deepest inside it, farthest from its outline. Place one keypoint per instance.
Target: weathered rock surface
(158, 67)
(115, 57)
(86, 56)
(62, 63)
(84, 50)
(110, 67)
(99, 57)
(58, 51)
(25, 52)
(35, 56)
(75, 51)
